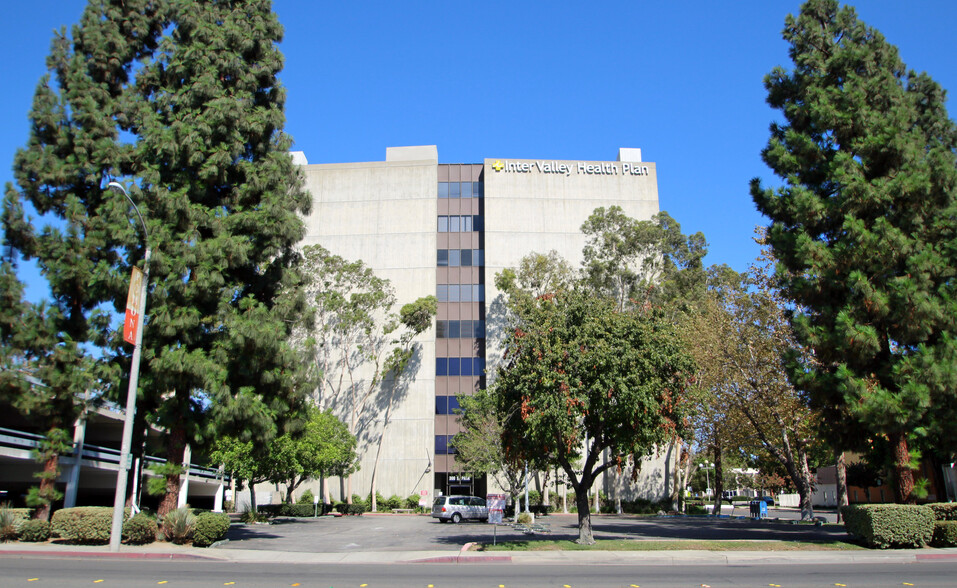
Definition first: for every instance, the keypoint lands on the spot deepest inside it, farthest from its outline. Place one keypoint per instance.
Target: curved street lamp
(122, 474)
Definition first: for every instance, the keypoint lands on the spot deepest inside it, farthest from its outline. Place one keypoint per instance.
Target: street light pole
(122, 474)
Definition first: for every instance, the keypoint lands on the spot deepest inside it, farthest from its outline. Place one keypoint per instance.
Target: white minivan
(458, 508)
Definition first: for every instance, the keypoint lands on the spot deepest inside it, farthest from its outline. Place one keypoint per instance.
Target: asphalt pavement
(420, 539)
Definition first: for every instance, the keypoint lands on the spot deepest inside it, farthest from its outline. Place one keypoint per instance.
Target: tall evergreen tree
(223, 197)
(865, 234)
(72, 151)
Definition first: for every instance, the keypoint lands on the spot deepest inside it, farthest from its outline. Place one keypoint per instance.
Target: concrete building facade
(446, 230)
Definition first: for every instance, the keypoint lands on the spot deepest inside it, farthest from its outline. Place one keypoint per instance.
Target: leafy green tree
(581, 380)
(863, 230)
(323, 448)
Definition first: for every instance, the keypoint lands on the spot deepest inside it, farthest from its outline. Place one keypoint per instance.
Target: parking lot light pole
(122, 474)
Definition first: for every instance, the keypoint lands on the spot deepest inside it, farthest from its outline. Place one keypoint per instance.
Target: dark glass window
(441, 444)
(454, 330)
(454, 364)
(441, 405)
(466, 366)
(466, 189)
(453, 404)
(477, 223)
(467, 257)
(477, 189)
(478, 292)
(443, 257)
(478, 366)
(455, 190)
(465, 329)
(479, 329)
(443, 189)
(478, 257)
(441, 329)
(443, 224)
(441, 366)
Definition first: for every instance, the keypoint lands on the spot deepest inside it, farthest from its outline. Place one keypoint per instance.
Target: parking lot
(406, 533)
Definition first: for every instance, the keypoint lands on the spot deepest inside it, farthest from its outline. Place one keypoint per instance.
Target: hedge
(890, 525)
(84, 525)
(33, 531)
(944, 511)
(288, 510)
(945, 534)
(210, 528)
(140, 530)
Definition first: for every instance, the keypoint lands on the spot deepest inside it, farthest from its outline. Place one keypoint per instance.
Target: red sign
(132, 322)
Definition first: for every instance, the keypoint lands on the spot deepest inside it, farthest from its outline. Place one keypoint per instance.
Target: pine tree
(864, 231)
(72, 151)
(223, 197)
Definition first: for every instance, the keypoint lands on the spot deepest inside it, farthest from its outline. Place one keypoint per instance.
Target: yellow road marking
(840, 584)
(97, 581)
(296, 584)
(229, 583)
(32, 579)
(907, 584)
(162, 581)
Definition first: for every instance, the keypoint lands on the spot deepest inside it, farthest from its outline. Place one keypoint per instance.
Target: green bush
(307, 497)
(178, 525)
(356, 509)
(211, 527)
(8, 524)
(298, 510)
(412, 502)
(944, 511)
(524, 518)
(394, 501)
(139, 530)
(945, 534)
(34, 531)
(889, 525)
(84, 525)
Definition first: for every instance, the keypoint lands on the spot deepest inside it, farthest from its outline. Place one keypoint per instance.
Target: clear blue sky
(562, 80)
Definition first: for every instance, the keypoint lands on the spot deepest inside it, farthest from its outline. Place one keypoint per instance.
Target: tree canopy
(864, 233)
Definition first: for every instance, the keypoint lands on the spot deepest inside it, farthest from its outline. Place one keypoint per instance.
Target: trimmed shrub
(84, 525)
(34, 531)
(524, 518)
(139, 530)
(298, 510)
(889, 525)
(394, 501)
(307, 497)
(211, 527)
(411, 502)
(178, 525)
(945, 534)
(944, 511)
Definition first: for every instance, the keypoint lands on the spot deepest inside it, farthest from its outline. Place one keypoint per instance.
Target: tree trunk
(584, 516)
(805, 487)
(174, 456)
(718, 480)
(842, 500)
(51, 468)
(903, 475)
(252, 498)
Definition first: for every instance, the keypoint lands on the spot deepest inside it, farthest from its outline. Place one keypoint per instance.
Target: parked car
(769, 500)
(459, 508)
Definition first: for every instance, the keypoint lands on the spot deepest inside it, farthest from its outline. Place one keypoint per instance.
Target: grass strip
(697, 545)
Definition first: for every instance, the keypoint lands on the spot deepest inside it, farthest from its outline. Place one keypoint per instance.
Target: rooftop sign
(567, 168)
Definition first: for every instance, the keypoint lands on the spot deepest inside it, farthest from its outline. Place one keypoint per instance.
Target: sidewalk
(461, 556)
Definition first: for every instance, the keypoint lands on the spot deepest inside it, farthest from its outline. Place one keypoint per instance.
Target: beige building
(446, 230)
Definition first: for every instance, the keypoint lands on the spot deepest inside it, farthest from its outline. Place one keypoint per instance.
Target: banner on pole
(132, 322)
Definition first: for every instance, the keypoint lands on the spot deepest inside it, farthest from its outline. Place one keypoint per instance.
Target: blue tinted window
(466, 367)
(441, 405)
(466, 189)
(466, 224)
(465, 329)
(454, 330)
(465, 293)
(441, 329)
(454, 365)
(455, 190)
(442, 292)
(455, 224)
(478, 292)
(443, 189)
(479, 329)
(466, 257)
(441, 444)
(477, 189)
(478, 257)
(453, 404)
(455, 257)
(443, 258)
(477, 223)
(443, 224)
(441, 366)
(478, 366)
